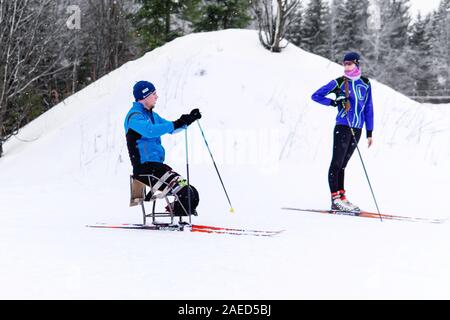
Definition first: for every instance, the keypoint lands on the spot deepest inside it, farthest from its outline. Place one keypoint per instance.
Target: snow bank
(273, 147)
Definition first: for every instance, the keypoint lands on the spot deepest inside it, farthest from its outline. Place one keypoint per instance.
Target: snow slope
(70, 167)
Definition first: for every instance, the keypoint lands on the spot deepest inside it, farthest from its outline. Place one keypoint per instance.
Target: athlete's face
(150, 102)
(349, 65)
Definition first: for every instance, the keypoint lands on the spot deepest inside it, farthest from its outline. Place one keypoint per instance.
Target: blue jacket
(143, 130)
(360, 96)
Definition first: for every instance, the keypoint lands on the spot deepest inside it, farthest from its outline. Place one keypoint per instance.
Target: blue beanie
(352, 56)
(142, 90)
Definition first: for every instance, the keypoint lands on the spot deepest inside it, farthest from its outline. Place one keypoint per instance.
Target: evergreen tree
(159, 21)
(420, 60)
(223, 14)
(356, 17)
(315, 31)
(294, 32)
(441, 49)
(340, 30)
(387, 57)
(397, 68)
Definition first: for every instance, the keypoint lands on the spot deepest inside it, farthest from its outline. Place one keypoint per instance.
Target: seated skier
(144, 128)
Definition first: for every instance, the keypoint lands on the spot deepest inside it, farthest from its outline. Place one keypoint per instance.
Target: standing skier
(144, 128)
(354, 102)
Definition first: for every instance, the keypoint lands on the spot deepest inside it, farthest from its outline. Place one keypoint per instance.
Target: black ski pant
(343, 147)
(158, 169)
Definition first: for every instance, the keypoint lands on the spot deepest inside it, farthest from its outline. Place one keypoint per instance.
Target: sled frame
(139, 195)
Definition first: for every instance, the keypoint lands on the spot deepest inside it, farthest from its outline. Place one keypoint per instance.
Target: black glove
(187, 119)
(184, 120)
(340, 101)
(195, 113)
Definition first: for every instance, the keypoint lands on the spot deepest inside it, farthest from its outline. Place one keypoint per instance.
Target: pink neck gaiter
(353, 74)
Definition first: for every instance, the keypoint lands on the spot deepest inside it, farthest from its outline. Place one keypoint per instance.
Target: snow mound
(272, 144)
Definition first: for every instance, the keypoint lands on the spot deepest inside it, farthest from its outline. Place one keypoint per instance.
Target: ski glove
(187, 119)
(340, 101)
(195, 113)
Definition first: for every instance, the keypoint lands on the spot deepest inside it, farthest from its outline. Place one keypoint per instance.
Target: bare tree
(31, 49)
(273, 19)
(109, 35)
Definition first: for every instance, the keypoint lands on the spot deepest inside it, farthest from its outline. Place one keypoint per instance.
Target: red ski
(373, 215)
(211, 229)
(190, 228)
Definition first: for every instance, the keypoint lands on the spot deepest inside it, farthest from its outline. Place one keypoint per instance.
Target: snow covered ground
(70, 167)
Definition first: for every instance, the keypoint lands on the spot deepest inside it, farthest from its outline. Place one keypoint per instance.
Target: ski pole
(215, 166)
(187, 175)
(364, 167)
(347, 108)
